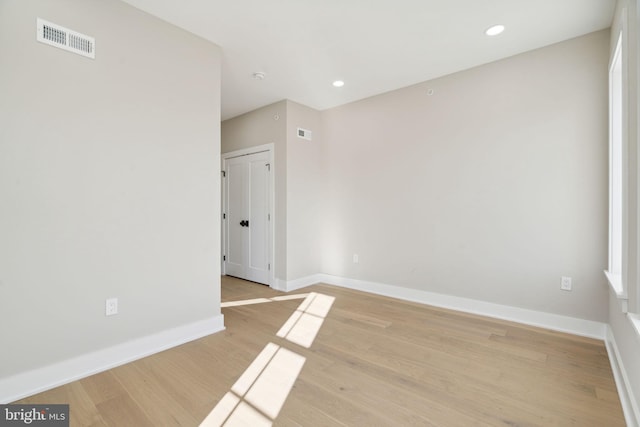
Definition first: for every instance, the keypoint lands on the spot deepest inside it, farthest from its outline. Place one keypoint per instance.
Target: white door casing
(247, 224)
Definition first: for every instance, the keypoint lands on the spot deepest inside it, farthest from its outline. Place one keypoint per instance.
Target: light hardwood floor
(376, 361)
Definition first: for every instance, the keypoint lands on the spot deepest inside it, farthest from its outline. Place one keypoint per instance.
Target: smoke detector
(259, 75)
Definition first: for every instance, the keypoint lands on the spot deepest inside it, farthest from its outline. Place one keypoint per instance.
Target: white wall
(109, 183)
(492, 188)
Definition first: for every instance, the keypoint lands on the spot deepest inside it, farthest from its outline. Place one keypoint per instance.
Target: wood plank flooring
(376, 361)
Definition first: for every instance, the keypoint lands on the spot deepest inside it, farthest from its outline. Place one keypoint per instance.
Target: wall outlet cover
(111, 306)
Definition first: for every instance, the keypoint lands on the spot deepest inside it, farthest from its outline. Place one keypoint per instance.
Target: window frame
(617, 254)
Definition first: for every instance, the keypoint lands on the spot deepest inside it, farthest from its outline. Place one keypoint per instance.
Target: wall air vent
(304, 134)
(64, 38)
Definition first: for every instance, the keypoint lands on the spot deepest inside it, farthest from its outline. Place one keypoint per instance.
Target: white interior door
(247, 217)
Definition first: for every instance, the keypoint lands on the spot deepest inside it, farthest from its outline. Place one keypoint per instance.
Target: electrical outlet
(355, 258)
(565, 283)
(111, 306)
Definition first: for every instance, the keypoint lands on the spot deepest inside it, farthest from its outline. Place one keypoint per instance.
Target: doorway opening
(247, 214)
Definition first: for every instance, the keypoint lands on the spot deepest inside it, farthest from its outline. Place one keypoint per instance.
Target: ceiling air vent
(66, 39)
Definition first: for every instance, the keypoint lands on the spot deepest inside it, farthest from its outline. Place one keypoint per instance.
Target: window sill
(635, 321)
(615, 281)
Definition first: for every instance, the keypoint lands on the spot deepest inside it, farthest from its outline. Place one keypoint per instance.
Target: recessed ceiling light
(338, 83)
(495, 30)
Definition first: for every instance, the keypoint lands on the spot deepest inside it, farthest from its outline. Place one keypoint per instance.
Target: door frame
(272, 202)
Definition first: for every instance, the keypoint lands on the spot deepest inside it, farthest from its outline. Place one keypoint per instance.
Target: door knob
(244, 223)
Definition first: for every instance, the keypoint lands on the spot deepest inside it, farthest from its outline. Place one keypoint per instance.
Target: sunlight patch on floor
(272, 387)
(258, 395)
(247, 416)
(261, 300)
(304, 324)
(245, 302)
(289, 297)
(252, 373)
(221, 412)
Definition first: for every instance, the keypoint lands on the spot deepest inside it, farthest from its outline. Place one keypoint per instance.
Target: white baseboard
(623, 384)
(279, 285)
(294, 285)
(47, 377)
(556, 322)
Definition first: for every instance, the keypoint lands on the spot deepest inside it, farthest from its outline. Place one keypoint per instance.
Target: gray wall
(305, 197)
(267, 125)
(492, 188)
(298, 177)
(109, 183)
